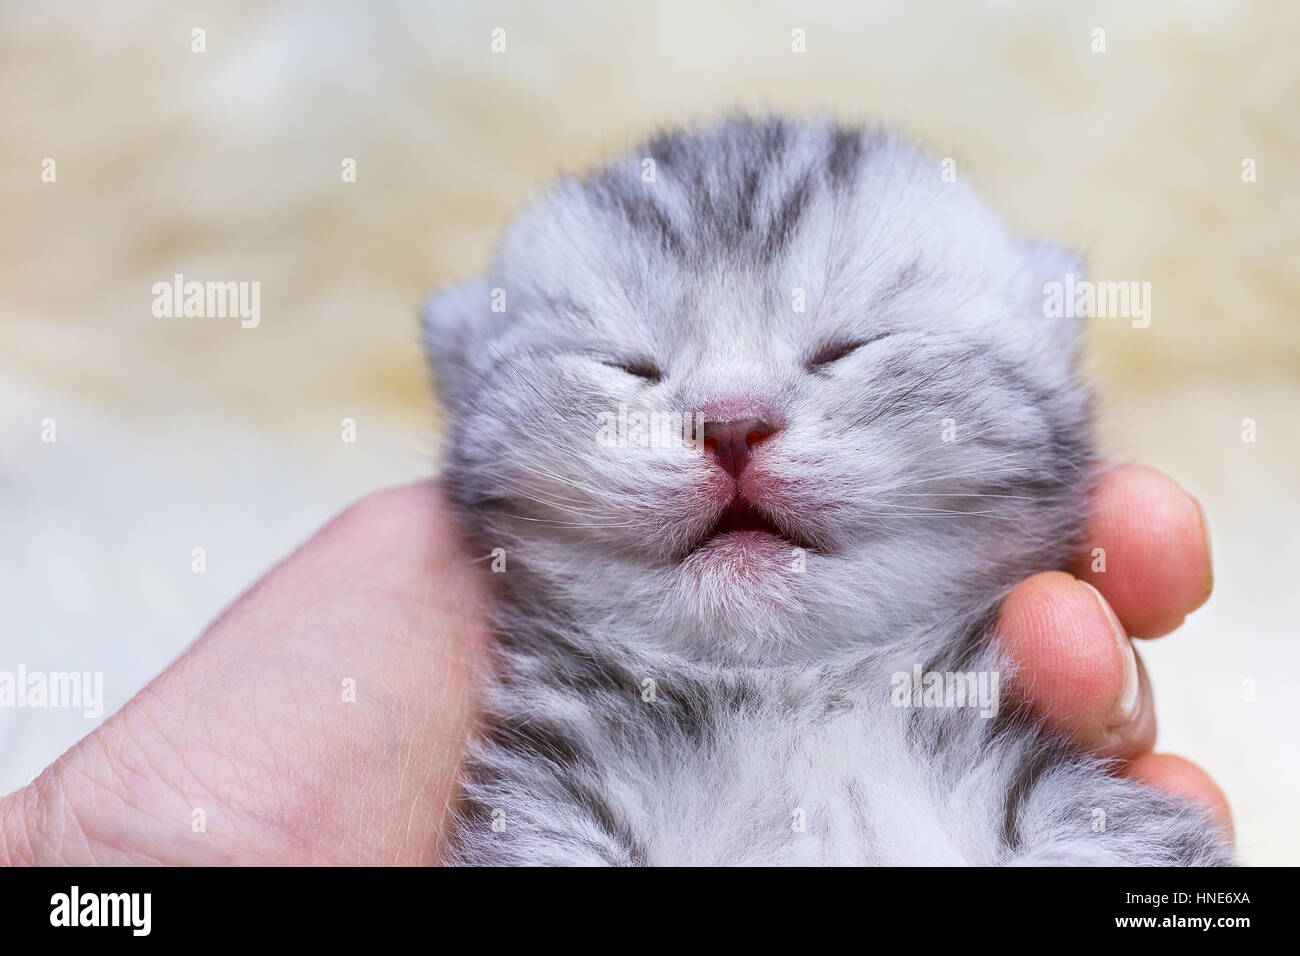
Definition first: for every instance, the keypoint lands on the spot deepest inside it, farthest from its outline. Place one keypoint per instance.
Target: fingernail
(1126, 707)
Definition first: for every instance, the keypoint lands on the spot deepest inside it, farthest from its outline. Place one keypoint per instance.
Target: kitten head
(763, 392)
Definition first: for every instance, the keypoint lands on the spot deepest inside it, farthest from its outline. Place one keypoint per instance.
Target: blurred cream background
(175, 434)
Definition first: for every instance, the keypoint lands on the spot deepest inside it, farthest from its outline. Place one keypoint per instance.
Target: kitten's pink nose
(731, 441)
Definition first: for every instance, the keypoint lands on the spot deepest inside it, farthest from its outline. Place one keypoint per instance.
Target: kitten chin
(698, 639)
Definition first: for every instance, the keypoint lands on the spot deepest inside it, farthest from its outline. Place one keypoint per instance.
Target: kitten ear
(1052, 272)
(455, 320)
(1049, 262)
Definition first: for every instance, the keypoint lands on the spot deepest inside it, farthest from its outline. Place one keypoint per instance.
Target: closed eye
(641, 368)
(834, 351)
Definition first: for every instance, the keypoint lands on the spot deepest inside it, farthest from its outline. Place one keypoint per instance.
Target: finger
(1183, 779)
(1075, 665)
(1146, 549)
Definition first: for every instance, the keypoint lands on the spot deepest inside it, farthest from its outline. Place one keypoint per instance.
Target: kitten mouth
(743, 517)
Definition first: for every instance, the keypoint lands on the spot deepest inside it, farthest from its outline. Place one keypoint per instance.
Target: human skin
(252, 726)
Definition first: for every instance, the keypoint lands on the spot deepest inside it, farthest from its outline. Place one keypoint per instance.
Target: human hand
(251, 724)
(1069, 633)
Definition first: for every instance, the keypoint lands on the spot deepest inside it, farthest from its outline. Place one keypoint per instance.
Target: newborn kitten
(716, 645)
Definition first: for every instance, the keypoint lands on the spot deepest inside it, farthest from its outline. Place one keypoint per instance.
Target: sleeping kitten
(766, 418)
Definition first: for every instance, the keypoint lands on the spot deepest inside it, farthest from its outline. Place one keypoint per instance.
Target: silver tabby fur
(768, 732)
